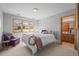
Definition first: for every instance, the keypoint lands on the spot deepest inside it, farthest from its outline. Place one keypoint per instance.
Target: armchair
(9, 40)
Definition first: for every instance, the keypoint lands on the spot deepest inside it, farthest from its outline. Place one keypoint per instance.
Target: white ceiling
(26, 9)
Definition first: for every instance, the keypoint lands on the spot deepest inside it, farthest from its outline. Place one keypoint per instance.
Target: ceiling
(44, 9)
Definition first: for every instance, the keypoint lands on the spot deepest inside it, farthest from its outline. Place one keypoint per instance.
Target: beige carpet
(50, 50)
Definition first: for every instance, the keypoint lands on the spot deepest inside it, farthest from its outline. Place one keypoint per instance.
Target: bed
(43, 40)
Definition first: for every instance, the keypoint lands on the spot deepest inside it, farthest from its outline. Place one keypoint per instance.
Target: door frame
(75, 27)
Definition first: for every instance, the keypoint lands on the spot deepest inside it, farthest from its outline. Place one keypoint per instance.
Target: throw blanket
(38, 42)
(35, 40)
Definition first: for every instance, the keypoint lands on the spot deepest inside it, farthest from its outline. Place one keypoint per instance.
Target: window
(23, 26)
(28, 26)
(17, 25)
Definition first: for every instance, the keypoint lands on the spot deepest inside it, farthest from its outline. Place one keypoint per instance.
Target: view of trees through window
(28, 26)
(23, 26)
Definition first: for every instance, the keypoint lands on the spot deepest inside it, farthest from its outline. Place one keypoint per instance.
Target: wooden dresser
(68, 38)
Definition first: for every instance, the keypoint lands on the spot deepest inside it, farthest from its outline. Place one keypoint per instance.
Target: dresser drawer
(68, 38)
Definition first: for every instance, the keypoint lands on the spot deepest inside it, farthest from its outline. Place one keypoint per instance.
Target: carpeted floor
(50, 50)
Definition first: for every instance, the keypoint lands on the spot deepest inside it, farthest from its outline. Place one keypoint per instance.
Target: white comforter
(45, 38)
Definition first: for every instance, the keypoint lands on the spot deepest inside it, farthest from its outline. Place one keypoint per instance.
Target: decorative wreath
(31, 41)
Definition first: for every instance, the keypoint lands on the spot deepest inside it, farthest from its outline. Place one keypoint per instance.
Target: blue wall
(57, 19)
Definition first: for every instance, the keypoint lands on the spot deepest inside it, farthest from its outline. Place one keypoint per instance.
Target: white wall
(7, 22)
(45, 24)
(1, 26)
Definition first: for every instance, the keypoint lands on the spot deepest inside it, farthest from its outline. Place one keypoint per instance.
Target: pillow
(44, 32)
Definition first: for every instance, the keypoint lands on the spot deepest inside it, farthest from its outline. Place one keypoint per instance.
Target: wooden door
(68, 37)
